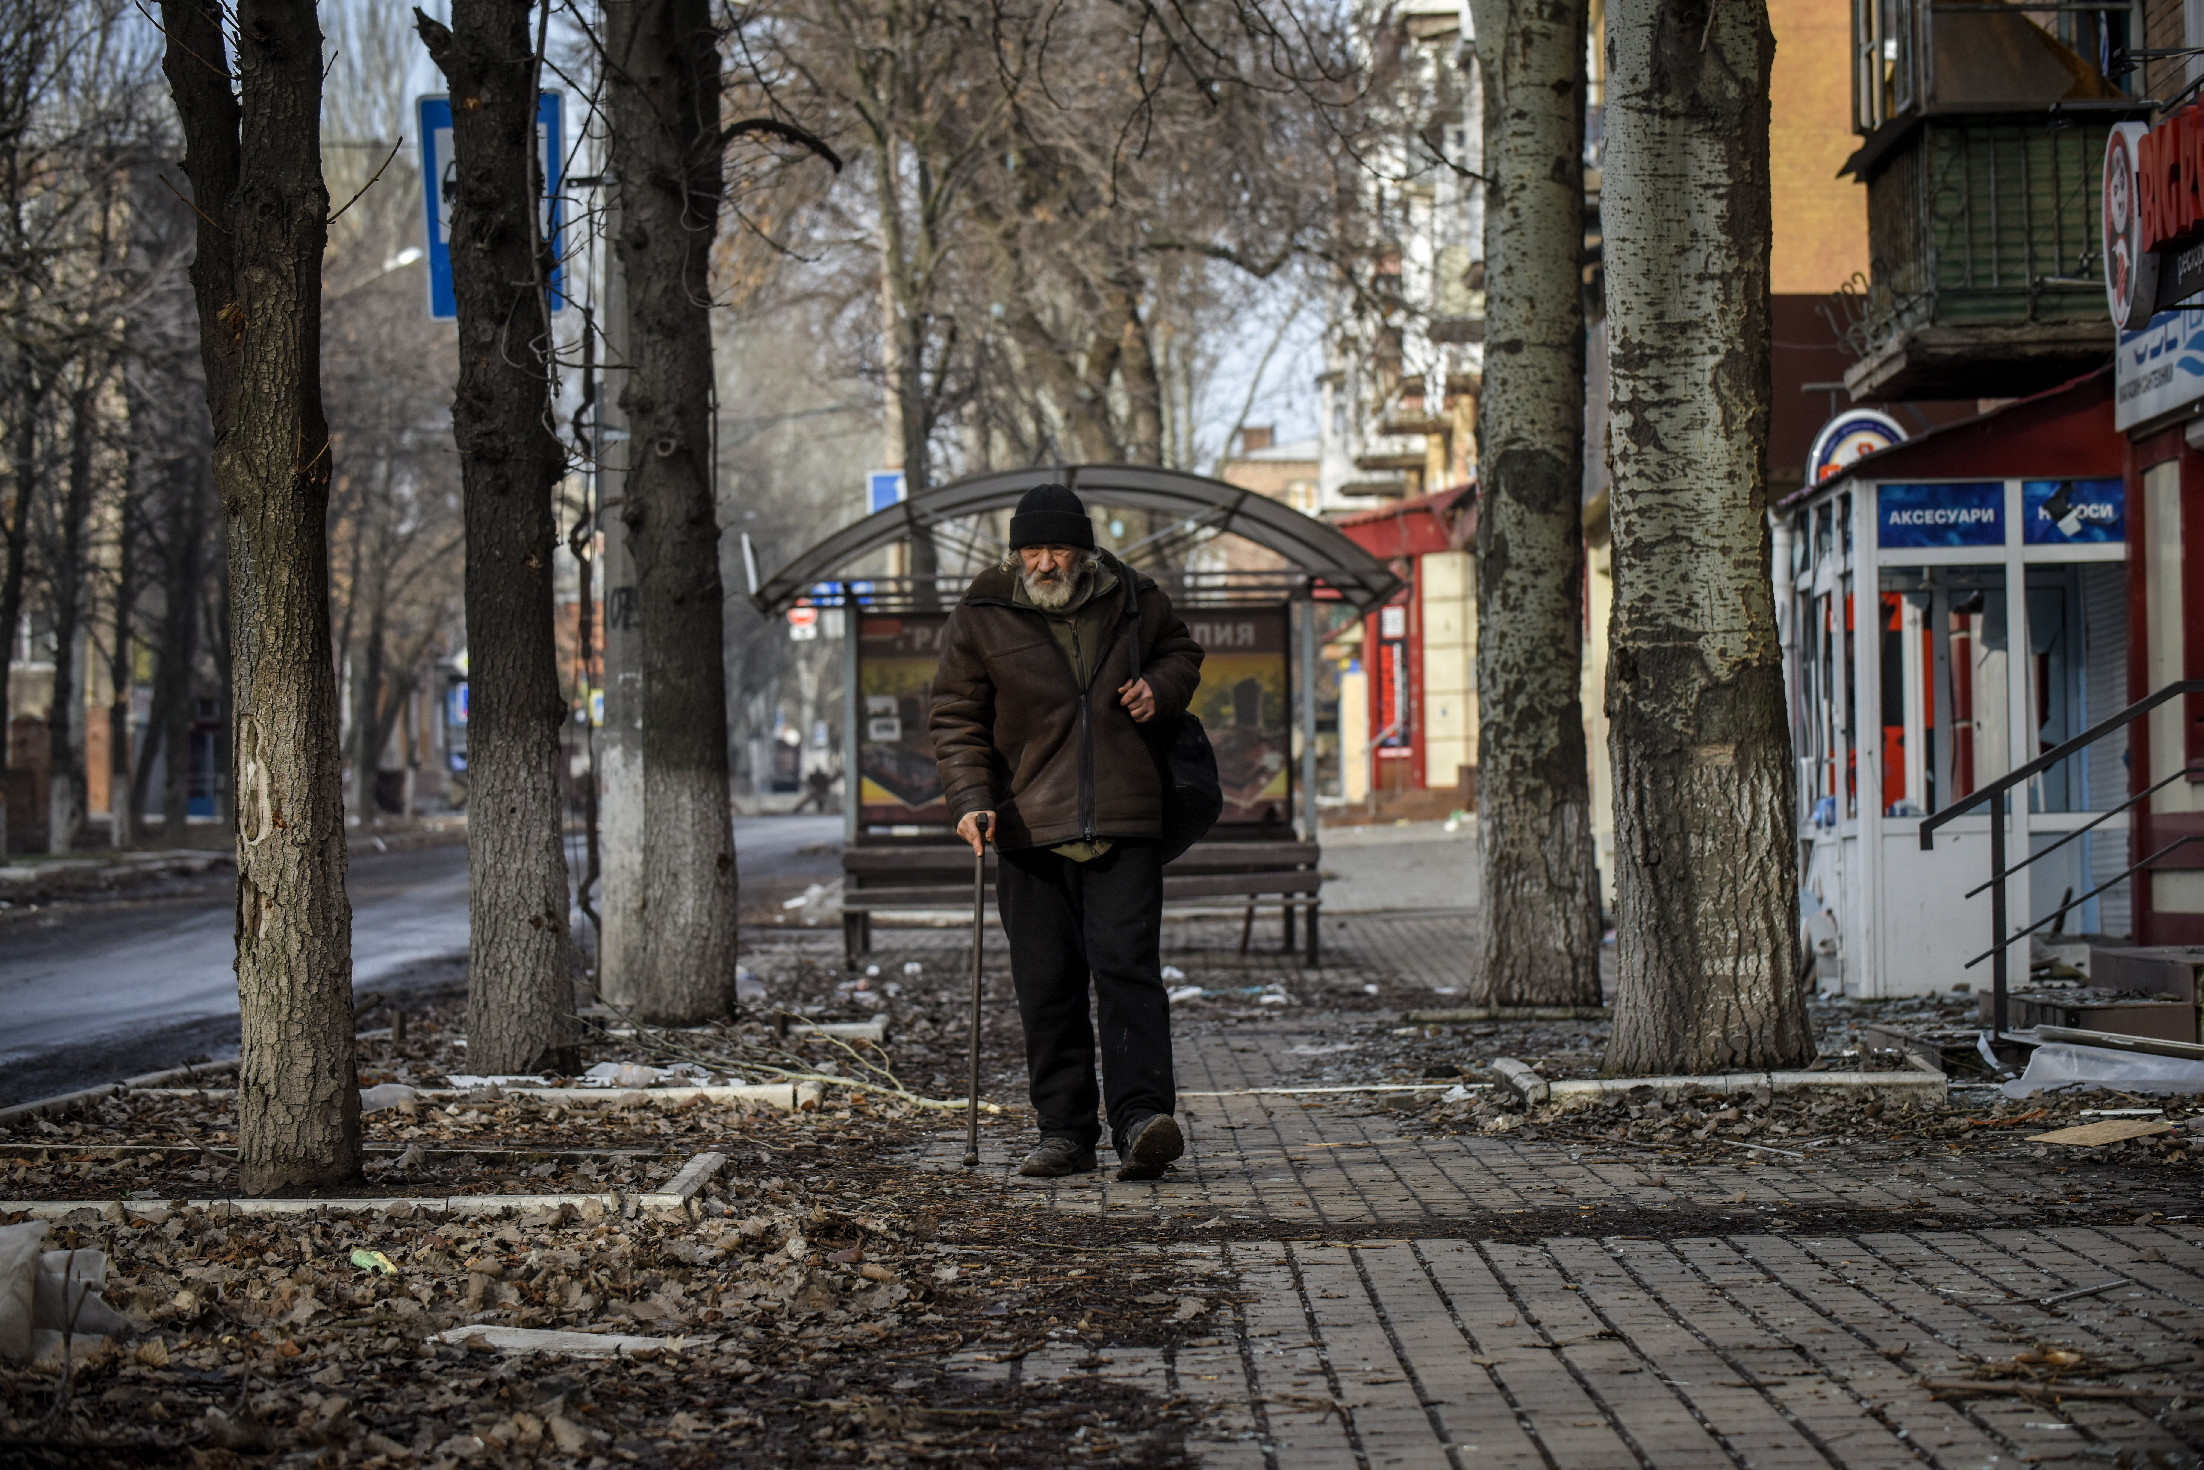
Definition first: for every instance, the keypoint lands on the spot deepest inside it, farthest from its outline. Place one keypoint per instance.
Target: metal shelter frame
(1319, 555)
(1315, 548)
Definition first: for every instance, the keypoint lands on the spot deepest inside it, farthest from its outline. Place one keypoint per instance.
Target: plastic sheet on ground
(639, 1074)
(49, 1296)
(19, 1250)
(2058, 1066)
(384, 1095)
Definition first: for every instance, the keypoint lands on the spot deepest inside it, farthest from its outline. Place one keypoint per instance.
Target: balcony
(1983, 138)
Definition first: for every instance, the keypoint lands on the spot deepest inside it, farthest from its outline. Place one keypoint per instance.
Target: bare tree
(67, 559)
(122, 828)
(173, 511)
(520, 998)
(1141, 205)
(171, 522)
(253, 157)
(395, 534)
(33, 46)
(73, 128)
(662, 93)
(1705, 851)
(1538, 900)
(1056, 207)
(926, 90)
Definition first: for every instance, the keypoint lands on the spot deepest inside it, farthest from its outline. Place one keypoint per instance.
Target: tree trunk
(520, 996)
(367, 751)
(254, 159)
(173, 677)
(29, 393)
(216, 630)
(65, 717)
(662, 73)
(1538, 887)
(1705, 836)
(122, 813)
(1143, 388)
(1076, 377)
(903, 348)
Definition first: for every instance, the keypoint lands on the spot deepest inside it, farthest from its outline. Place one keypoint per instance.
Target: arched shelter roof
(1311, 546)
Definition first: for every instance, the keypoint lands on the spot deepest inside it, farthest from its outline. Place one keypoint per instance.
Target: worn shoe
(1056, 1157)
(1150, 1147)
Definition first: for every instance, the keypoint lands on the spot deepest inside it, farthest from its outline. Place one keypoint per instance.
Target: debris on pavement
(2060, 1065)
(50, 1300)
(565, 1344)
(827, 1297)
(2096, 1135)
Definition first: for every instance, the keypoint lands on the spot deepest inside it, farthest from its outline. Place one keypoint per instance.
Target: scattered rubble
(819, 1301)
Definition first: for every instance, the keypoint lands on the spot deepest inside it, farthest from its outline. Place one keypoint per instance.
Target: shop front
(2154, 284)
(1413, 676)
(1951, 607)
(2164, 421)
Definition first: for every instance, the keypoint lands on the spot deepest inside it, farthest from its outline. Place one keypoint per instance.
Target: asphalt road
(94, 991)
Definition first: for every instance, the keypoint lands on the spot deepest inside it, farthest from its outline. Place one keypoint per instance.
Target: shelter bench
(905, 874)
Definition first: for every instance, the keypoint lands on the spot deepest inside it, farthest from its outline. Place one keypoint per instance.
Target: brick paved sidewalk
(1311, 1165)
(1471, 1301)
(1504, 1300)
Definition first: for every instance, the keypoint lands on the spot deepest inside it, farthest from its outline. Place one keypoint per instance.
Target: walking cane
(979, 919)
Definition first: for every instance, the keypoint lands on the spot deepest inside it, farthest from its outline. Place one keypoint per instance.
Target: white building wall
(1449, 616)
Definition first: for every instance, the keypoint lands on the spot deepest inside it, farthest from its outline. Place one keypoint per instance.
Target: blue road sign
(436, 178)
(883, 488)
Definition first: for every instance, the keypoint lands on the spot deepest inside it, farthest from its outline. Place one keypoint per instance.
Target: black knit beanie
(1050, 515)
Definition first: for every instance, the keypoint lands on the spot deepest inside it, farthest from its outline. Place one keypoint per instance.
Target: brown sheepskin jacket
(1015, 733)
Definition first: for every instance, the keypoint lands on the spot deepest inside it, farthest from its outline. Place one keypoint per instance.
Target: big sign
(2153, 217)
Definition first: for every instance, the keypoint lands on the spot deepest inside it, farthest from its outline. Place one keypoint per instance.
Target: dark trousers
(1069, 922)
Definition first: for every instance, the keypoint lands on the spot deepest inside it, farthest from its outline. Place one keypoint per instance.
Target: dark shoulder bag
(1193, 797)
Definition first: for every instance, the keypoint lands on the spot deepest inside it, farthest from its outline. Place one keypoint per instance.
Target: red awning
(1445, 520)
(2062, 433)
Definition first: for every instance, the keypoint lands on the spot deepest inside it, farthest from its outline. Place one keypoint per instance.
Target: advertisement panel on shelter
(896, 655)
(1246, 703)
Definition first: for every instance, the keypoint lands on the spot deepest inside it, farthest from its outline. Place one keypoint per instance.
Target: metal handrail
(2075, 903)
(2087, 827)
(2056, 754)
(1993, 795)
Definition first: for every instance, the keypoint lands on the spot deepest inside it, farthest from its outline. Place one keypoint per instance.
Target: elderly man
(1050, 667)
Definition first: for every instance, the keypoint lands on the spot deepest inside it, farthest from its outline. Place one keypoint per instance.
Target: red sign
(2167, 166)
(2153, 240)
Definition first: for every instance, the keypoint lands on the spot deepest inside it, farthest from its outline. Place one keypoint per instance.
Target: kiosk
(1950, 607)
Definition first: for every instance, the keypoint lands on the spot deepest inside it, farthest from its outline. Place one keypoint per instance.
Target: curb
(146, 1082)
(1455, 1015)
(794, 1096)
(1534, 1089)
(679, 1195)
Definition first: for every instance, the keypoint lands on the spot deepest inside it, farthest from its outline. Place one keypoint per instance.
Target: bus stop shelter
(1260, 631)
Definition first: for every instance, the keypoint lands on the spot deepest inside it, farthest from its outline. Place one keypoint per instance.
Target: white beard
(1056, 595)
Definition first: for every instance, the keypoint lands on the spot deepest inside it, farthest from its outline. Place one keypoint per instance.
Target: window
(1882, 61)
